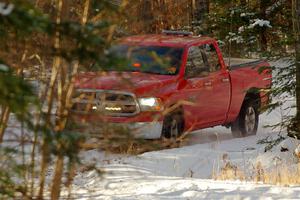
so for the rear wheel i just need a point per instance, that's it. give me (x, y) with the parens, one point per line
(173, 126)
(247, 121)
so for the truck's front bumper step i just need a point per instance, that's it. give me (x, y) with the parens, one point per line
(145, 130)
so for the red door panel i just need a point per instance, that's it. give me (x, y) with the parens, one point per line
(207, 96)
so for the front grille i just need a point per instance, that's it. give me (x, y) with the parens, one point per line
(113, 103)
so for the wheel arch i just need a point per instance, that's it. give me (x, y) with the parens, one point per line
(238, 127)
(176, 108)
(171, 111)
(253, 94)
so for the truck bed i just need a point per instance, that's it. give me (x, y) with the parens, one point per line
(235, 63)
(244, 74)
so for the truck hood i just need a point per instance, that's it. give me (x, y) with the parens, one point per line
(142, 84)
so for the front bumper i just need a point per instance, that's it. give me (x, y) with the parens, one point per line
(145, 130)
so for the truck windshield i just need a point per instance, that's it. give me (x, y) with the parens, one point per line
(147, 59)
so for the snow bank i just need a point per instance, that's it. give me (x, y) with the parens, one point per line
(184, 173)
(280, 155)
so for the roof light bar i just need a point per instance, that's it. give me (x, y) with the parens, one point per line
(183, 33)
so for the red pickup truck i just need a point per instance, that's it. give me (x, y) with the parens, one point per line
(173, 83)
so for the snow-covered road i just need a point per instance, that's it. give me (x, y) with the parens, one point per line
(157, 187)
(185, 173)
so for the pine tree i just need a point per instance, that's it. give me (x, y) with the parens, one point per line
(73, 42)
(294, 129)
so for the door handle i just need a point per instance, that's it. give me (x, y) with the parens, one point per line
(208, 83)
(225, 80)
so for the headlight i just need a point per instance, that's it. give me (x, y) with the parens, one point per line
(150, 104)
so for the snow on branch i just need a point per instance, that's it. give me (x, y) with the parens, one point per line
(3, 68)
(261, 23)
(273, 7)
(6, 9)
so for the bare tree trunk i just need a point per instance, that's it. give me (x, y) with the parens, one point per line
(3, 121)
(56, 182)
(243, 2)
(57, 67)
(297, 48)
(50, 96)
(66, 83)
(263, 32)
(65, 90)
(5, 111)
(201, 9)
(146, 15)
(70, 177)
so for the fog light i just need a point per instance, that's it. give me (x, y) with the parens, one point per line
(113, 108)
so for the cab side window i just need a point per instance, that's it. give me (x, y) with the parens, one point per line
(196, 65)
(212, 57)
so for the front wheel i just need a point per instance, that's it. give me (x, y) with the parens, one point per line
(247, 121)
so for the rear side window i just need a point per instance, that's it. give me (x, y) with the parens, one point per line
(196, 65)
(212, 57)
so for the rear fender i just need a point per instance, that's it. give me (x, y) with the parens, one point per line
(253, 94)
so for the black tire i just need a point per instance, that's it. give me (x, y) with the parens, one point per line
(173, 126)
(247, 121)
